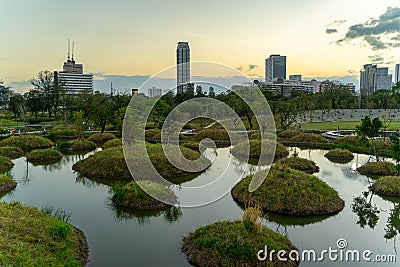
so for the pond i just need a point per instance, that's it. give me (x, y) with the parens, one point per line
(126, 238)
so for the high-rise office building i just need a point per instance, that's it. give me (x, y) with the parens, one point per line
(154, 92)
(275, 67)
(72, 78)
(373, 78)
(397, 73)
(295, 77)
(183, 66)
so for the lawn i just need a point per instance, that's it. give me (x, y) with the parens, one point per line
(343, 125)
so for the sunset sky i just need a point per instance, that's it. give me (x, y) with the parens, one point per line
(125, 41)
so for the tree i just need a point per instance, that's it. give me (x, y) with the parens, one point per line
(100, 110)
(34, 101)
(370, 129)
(4, 95)
(16, 104)
(44, 82)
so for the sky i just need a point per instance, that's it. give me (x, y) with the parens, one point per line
(126, 41)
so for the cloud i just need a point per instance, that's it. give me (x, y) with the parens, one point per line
(251, 67)
(330, 31)
(247, 69)
(379, 34)
(376, 59)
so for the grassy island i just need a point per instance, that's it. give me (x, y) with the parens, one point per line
(132, 196)
(339, 155)
(30, 237)
(27, 142)
(380, 168)
(291, 192)
(44, 155)
(5, 164)
(6, 184)
(255, 149)
(113, 143)
(387, 186)
(11, 152)
(101, 138)
(308, 138)
(300, 164)
(78, 145)
(235, 244)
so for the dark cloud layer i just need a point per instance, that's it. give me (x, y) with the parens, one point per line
(379, 33)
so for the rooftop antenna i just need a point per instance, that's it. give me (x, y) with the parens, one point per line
(68, 50)
(73, 45)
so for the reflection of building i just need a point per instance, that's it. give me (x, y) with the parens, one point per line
(183, 66)
(275, 67)
(154, 92)
(373, 78)
(397, 73)
(71, 78)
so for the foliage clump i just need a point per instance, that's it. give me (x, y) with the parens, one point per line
(44, 155)
(113, 143)
(387, 186)
(300, 164)
(380, 168)
(101, 138)
(11, 152)
(78, 145)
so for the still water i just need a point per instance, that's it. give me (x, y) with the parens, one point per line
(126, 238)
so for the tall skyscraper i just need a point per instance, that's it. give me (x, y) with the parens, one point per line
(275, 67)
(373, 78)
(71, 78)
(183, 66)
(397, 73)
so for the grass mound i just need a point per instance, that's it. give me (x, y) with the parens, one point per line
(78, 145)
(233, 244)
(30, 237)
(6, 184)
(44, 155)
(348, 140)
(62, 132)
(132, 196)
(300, 164)
(308, 138)
(257, 135)
(110, 163)
(113, 143)
(194, 146)
(216, 134)
(292, 192)
(380, 168)
(5, 164)
(288, 134)
(27, 142)
(11, 152)
(340, 155)
(387, 186)
(255, 149)
(101, 138)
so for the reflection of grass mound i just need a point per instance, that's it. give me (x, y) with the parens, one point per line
(133, 196)
(78, 145)
(291, 192)
(300, 164)
(340, 155)
(6, 184)
(255, 149)
(11, 152)
(101, 138)
(30, 237)
(113, 143)
(234, 244)
(289, 134)
(308, 138)
(5, 164)
(380, 168)
(44, 155)
(27, 142)
(110, 163)
(387, 186)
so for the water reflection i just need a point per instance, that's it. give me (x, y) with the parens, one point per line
(368, 213)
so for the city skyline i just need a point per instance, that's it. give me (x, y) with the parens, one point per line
(132, 40)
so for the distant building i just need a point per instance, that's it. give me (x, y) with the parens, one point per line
(397, 73)
(275, 67)
(373, 78)
(135, 91)
(72, 78)
(154, 92)
(296, 78)
(183, 66)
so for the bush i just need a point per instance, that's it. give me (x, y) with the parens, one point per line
(44, 155)
(27, 142)
(101, 138)
(387, 186)
(113, 143)
(300, 164)
(381, 168)
(289, 191)
(11, 152)
(5, 164)
(340, 155)
(308, 138)
(78, 145)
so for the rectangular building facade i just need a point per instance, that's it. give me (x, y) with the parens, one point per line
(183, 66)
(275, 67)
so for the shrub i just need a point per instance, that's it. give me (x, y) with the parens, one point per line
(11, 152)
(381, 168)
(387, 186)
(300, 164)
(308, 138)
(101, 138)
(252, 218)
(5, 164)
(44, 155)
(27, 142)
